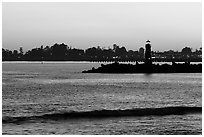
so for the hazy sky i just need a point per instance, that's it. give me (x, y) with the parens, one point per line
(83, 25)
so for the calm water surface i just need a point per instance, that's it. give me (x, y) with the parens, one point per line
(32, 90)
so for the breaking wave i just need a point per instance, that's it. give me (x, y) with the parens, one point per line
(137, 112)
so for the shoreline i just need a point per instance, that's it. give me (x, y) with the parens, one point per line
(131, 62)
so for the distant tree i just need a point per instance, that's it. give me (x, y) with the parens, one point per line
(59, 51)
(15, 52)
(7, 55)
(21, 50)
(115, 47)
(186, 50)
(91, 53)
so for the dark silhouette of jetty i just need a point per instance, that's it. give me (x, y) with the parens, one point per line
(147, 67)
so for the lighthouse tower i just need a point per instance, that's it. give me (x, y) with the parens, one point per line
(148, 58)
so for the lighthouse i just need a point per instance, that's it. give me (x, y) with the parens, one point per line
(148, 58)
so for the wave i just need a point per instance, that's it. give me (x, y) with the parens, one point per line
(138, 112)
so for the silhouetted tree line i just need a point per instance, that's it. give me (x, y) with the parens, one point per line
(62, 52)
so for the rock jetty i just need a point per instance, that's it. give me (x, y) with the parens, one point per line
(147, 68)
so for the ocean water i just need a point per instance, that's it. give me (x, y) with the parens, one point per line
(56, 98)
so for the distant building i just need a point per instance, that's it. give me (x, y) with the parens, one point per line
(148, 58)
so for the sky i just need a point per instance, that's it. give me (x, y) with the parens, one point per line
(169, 26)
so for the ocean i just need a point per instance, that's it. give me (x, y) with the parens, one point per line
(56, 98)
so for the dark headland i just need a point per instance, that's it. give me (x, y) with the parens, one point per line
(143, 68)
(147, 66)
